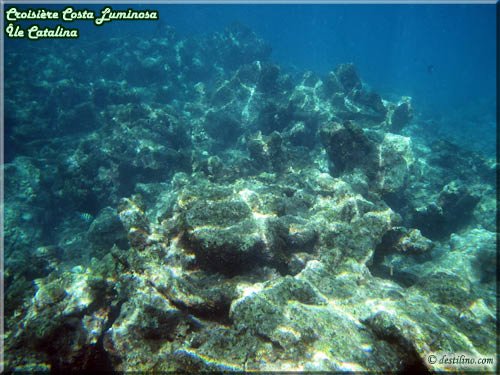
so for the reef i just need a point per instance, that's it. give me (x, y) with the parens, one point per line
(185, 204)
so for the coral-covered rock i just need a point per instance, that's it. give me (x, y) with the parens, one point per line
(332, 84)
(107, 230)
(401, 116)
(367, 105)
(239, 45)
(348, 147)
(387, 162)
(447, 288)
(135, 223)
(457, 202)
(146, 317)
(21, 217)
(222, 127)
(267, 152)
(395, 159)
(400, 249)
(67, 317)
(227, 235)
(275, 118)
(408, 241)
(452, 211)
(348, 77)
(84, 114)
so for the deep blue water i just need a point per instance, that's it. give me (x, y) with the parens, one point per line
(443, 56)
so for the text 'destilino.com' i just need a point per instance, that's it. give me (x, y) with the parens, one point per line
(449, 361)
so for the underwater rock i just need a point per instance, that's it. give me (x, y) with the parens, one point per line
(301, 235)
(106, 92)
(485, 210)
(400, 334)
(263, 225)
(430, 220)
(245, 102)
(257, 149)
(223, 127)
(462, 256)
(213, 167)
(365, 105)
(107, 230)
(270, 80)
(387, 162)
(290, 316)
(460, 164)
(203, 295)
(275, 118)
(276, 151)
(22, 218)
(392, 319)
(446, 162)
(226, 236)
(267, 152)
(395, 159)
(158, 198)
(447, 288)
(288, 235)
(222, 233)
(453, 211)
(348, 77)
(403, 240)
(196, 363)
(332, 85)
(390, 258)
(44, 260)
(348, 147)
(401, 116)
(479, 318)
(457, 202)
(71, 96)
(83, 114)
(238, 45)
(227, 250)
(29, 252)
(487, 263)
(250, 310)
(262, 76)
(297, 321)
(135, 223)
(146, 323)
(350, 226)
(307, 102)
(66, 318)
(471, 255)
(300, 134)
